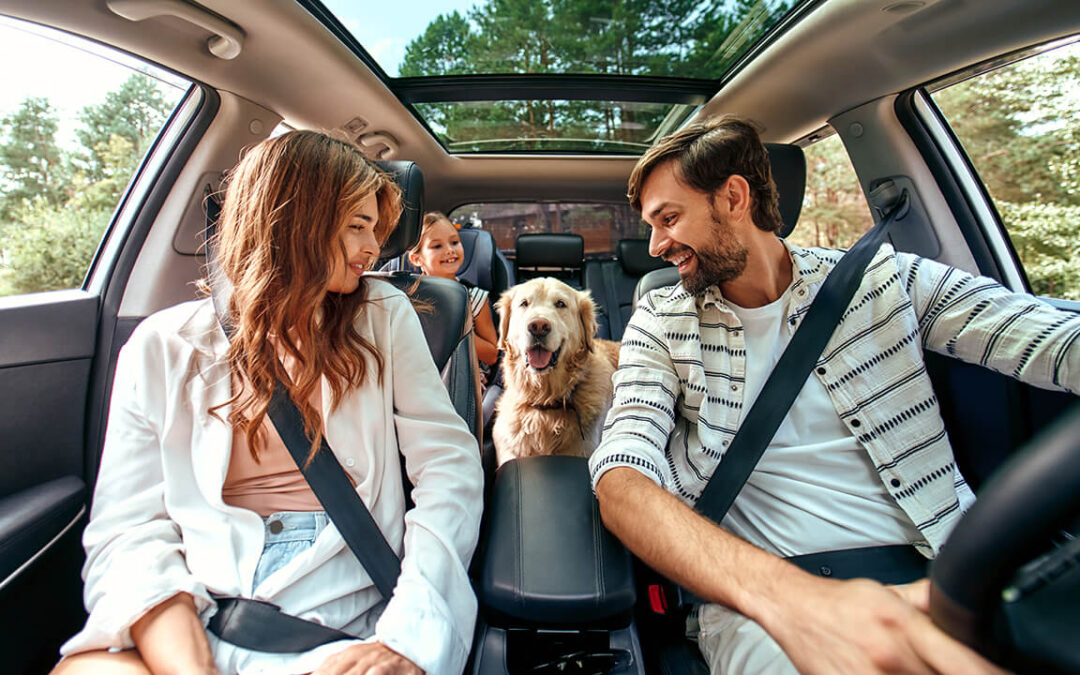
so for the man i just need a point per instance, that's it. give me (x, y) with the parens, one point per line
(861, 460)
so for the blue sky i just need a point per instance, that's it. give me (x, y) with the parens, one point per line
(385, 29)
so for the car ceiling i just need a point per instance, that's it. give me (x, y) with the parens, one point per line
(841, 54)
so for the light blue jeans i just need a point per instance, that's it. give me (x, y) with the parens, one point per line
(288, 534)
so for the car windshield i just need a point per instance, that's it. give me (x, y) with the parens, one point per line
(570, 76)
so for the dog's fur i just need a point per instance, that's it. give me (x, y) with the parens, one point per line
(558, 409)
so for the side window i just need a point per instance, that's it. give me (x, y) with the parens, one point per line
(1020, 127)
(75, 121)
(600, 225)
(834, 212)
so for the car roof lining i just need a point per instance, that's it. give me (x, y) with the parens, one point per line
(840, 55)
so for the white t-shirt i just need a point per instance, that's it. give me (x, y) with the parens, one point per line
(815, 488)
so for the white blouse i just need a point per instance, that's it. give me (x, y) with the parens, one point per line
(159, 525)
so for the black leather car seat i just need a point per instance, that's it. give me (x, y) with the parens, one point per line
(559, 255)
(612, 284)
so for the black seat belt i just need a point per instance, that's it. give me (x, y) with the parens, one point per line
(261, 626)
(790, 373)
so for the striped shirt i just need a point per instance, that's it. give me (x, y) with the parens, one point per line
(678, 391)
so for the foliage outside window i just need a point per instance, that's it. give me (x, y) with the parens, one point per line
(600, 225)
(64, 168)
(1020, 126)
(834, 213)
(657, 38)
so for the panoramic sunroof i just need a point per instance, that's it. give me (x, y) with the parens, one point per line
(461, 65)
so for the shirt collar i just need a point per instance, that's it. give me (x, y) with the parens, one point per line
(807, 268)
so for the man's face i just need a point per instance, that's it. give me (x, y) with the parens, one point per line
(688, 231)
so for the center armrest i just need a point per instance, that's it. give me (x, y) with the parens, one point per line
(549, 558)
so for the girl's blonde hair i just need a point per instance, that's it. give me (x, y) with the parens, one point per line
(286, 203)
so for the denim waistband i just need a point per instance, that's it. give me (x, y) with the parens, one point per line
(285, 526)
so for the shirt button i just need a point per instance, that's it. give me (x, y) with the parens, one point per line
(349, 461)
(895, 482)
(734, 387)
(825, 570)
(820, 371)
(275, 526)
(725, 443)
(856, 423)
(802, 292)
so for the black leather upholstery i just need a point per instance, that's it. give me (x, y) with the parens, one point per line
(444, 323)
(667, 276)
(560, 255)
(633, 255)
(612, 283)
(411, 181)
(549, 559)
(484, 265)
(788, 163)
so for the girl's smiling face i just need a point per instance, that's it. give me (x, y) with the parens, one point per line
(440, 253)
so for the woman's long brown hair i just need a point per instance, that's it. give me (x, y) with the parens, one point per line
(286, 203)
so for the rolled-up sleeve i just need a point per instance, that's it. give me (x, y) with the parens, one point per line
(641, 417)
(981, 322)
(431, 615)
(134, 553)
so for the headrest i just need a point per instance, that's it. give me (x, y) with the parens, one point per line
(550, 250)
(789, 173)
(411, 181)
(665, 276)
(635, 258)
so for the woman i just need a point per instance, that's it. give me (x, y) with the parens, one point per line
(198, 495)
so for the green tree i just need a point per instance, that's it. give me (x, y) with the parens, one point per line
(135, 112)
(834, 212)
(31, 164)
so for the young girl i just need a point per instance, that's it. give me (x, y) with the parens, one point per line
(439, 253)
(197, 494)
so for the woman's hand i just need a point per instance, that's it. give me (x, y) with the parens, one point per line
(373, 658)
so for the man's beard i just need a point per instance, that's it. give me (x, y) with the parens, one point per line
(722, 261)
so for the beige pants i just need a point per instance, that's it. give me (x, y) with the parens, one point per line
(734, 645)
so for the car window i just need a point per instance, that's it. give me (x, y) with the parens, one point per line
(75, 120)
(601, 225)
(834, 212)
(1020, 127)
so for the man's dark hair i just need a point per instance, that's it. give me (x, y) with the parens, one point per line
(708, 153)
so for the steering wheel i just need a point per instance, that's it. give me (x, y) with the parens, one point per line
(1029, 500)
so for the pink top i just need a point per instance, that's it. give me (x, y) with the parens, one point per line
(272, 484)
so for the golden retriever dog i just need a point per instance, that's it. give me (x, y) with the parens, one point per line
(557, 375)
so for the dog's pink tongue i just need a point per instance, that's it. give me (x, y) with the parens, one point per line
(539, 358)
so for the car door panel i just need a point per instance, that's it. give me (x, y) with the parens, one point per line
(47, 342)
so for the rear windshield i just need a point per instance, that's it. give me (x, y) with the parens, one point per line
(602, 225)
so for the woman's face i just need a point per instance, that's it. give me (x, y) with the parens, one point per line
(440, 251)
(361, 248)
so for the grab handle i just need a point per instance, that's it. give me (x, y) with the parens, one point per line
(227, 41)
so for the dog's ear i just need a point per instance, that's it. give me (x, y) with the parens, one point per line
(503, 308)
(587, 313)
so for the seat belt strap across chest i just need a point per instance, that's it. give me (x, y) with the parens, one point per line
(790, 373)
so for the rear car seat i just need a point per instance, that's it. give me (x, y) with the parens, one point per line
(560, 255)
(612, 284)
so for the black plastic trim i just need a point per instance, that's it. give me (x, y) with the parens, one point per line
(452, 88)
(31, 519)
(950, 187)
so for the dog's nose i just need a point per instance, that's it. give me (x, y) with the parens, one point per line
(539, 328)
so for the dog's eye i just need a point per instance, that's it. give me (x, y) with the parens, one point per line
(524, 303)
(560, 304)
